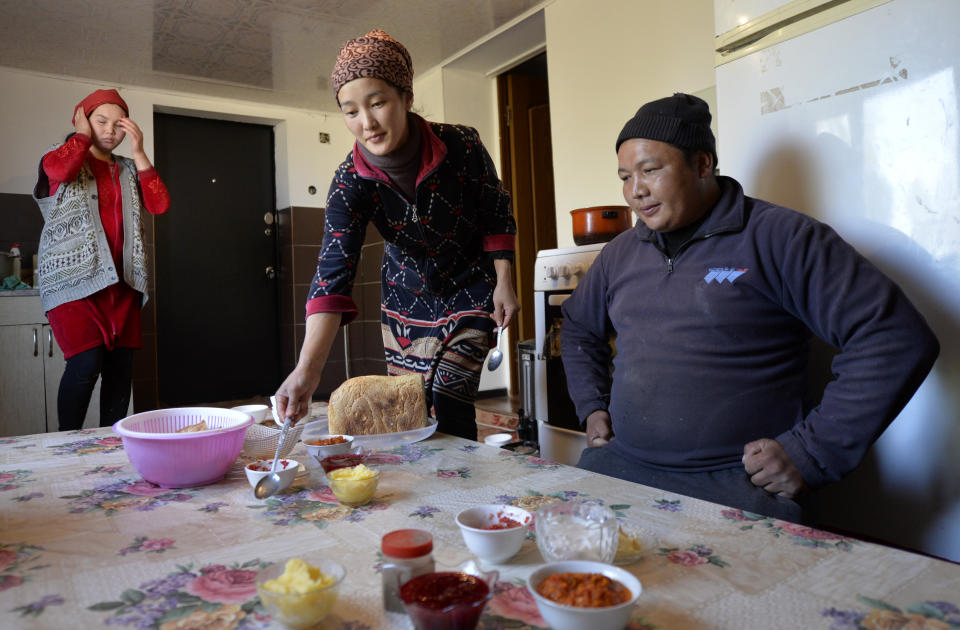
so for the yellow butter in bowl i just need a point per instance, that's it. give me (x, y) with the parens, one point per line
(360, 471)
(354, 485)
(627, 544)
(299, 577)
(302, 594)
(631, 545)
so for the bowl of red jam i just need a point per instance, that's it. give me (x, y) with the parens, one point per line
(342, 460)
(286, 468)
(494, 533)
(446, 600)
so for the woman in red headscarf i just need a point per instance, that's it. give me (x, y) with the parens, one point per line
(92, 271)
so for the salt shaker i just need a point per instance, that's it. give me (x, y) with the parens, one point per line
(407, 553)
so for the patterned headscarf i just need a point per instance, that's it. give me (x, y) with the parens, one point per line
(375, 55)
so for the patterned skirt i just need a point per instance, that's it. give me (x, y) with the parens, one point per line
(449, 352)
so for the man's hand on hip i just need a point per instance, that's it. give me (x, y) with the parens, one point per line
(770, 468)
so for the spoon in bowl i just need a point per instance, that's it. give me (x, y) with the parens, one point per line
(270, 485)
(497, 355)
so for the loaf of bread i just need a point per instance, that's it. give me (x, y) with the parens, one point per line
(192, 428)
(378, 404)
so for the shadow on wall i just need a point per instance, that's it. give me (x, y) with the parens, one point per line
(906, 492)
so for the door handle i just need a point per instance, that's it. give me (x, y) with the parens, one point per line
(49, 342)
(35, 347)
(270, 272)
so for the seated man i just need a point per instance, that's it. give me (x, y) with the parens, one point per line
(714, 297)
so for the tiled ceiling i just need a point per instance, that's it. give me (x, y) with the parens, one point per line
(272, 51)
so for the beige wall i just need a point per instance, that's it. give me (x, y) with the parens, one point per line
(462, 97)
(604, 59)
(428, 94)
(471, 98)
(35, 113)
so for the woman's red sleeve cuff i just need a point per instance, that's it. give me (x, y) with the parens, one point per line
(63, 164)
(156, 197)
(334, 304)
(499, 242)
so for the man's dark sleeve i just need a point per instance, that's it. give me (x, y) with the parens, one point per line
(886, 350)
(585, 343)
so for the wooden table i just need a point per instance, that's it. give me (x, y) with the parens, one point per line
(85, 542)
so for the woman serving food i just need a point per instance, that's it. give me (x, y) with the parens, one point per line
(433, 193)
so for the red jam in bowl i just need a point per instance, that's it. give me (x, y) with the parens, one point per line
(342, 460)
(281, 464)
(503, 522)
(447, 600)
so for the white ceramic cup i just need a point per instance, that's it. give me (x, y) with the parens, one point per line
(257, 412)
(498, 439)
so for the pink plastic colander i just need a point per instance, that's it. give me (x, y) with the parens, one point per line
(183, 460)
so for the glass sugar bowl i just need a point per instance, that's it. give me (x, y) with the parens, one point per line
(576, 530)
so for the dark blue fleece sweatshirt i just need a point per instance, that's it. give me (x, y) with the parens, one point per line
(712, 345)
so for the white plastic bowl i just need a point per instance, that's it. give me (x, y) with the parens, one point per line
(493, 545)
(286, 468)
(498, 439)
(561, 617)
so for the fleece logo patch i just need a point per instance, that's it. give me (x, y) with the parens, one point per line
(723, 274)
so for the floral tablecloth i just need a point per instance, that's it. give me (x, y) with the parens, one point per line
(85, 542)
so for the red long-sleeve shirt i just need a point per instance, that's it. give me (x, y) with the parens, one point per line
(111, 316)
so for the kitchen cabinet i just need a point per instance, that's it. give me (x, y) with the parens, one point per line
(30, 370)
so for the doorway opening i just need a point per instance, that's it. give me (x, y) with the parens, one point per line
(527, 172)
(216, 259)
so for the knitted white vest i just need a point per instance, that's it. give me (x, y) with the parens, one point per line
(74, 260)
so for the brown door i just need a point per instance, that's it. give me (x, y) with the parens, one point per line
(527, 171)
(216, 249)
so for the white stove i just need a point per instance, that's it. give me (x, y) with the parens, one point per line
(556, 274)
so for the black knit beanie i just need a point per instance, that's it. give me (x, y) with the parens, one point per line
(681, 120)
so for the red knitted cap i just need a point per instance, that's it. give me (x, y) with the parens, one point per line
(98, 98)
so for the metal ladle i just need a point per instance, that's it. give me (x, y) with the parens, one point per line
(497, 355)
(270, 485)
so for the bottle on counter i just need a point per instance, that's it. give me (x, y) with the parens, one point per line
(407, 553)
(15, 261)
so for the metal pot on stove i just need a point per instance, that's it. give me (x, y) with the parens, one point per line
(599, 224)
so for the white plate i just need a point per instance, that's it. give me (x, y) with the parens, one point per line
(376, 441)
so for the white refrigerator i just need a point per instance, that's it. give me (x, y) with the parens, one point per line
(849, 111)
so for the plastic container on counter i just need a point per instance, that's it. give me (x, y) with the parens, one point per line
(407, 553)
